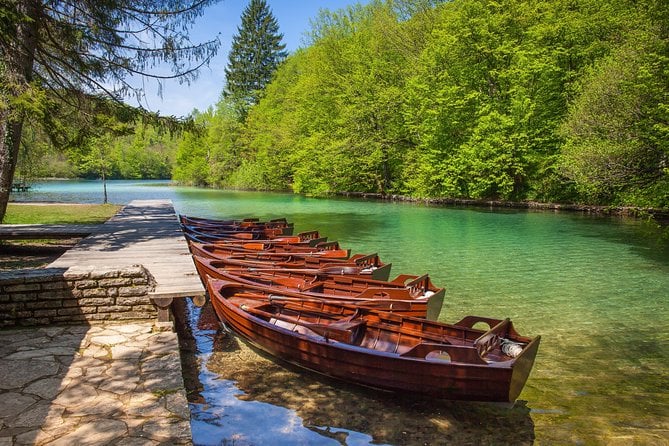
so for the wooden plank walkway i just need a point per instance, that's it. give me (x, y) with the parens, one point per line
(145, 232)
(31, 232)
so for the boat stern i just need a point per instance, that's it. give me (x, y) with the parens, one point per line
(522, 367)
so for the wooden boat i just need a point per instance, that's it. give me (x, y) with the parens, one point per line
(309, 238)
(243, 233)
(208, 222)
(371, 298)
(365, 265)
(330, 250)
(327, 283)
(211, 225)
(383, 350)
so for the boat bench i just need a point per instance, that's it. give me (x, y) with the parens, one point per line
(342, 331)
(457, 353)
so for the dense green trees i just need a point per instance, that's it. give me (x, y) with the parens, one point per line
(517, 100)
(563, 100)
(617, 131)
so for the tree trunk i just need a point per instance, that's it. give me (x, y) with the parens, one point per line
(16, 77)
(104, 187)
(9, 151)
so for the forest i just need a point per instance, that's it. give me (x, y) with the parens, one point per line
(553, 101)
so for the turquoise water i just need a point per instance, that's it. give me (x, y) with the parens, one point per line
(595, 289)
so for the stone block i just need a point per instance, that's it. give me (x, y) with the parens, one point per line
(86, 284)
(88, 310)
(96, 301)
(42, 304)
(45, 313)
(68, 311)
(140, 281)
(24, 297)
(5, 298)
(11, 307)
(67, 303)
(116, 282)
(132, 300)
(144, 308)
(133, 271)
(114, 309)
(11, 278)
(74, 274)
(112, 292)
(55, 285)
(95, 292)
(22, 287)
(23, 314)
(56, 294)
(135, 315)
(104, 274)
(41, 276)
(133, 291)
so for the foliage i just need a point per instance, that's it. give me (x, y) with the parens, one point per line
(617, 148)
(517, 100)
(62, 54)
(256, 53)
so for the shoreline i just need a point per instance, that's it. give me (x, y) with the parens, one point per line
(659, 215)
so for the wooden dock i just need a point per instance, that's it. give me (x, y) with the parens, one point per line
(145, 232)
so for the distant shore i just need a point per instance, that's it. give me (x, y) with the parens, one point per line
(659, 215)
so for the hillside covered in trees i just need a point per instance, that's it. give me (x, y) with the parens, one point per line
(556, 101)
(564, 100)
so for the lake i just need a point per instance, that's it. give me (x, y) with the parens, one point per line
(595, 289)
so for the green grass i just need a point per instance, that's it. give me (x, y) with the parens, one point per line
(59, 213)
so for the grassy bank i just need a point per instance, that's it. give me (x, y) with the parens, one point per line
(19, 254)
(34, 213)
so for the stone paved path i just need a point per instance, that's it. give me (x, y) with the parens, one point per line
(101, 385)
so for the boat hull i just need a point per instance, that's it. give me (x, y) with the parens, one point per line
(377, 369)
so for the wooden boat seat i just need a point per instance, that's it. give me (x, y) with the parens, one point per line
(492, 338)
(457, 353)
(346, 331)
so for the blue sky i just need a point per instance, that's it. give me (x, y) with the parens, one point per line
(294, 20)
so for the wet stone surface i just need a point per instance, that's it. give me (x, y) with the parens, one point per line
(100, 385)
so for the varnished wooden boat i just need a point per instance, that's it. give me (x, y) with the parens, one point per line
(381, 349)
(200, 221)
(197, 235)
(251, 224)
(309, 238)
(365, 265)
(368, 299)
(330, 250)
(329, 283)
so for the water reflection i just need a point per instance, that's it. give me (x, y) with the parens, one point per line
(241, 397)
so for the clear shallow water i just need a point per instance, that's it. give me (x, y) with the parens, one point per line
(596, 289)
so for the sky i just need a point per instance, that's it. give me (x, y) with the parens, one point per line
(223, 19)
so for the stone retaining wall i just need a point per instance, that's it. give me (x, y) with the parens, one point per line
(76, 295)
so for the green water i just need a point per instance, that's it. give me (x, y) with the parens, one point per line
(595, 289)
